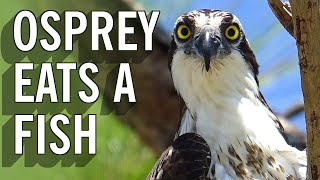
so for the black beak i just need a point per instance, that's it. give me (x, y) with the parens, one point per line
(207, 44)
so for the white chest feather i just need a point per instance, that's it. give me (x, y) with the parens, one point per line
(225, 109)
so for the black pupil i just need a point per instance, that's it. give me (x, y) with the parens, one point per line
(184, 31)
(231, 32)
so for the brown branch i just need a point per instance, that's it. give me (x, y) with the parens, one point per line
(295, 137)
(283, 13)
(294, 110)
(307, 29)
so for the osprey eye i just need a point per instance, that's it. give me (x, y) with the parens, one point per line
(232, 32)
(183, 32)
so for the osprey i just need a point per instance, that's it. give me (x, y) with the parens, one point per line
(226, 118)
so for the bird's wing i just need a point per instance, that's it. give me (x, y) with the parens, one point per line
(189, 157)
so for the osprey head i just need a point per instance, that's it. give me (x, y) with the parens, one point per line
(210, 35)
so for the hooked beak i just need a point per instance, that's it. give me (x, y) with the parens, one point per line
(207, 45)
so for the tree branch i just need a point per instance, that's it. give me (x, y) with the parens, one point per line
(293, 110)
(283, 13)
(306, 21)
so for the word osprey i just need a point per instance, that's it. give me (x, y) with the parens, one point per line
(70, 31)
(227, 130)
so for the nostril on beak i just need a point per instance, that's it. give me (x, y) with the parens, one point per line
(216, 42)
(217, 37)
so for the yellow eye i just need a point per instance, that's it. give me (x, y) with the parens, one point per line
(232, 32)
(183, 32)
